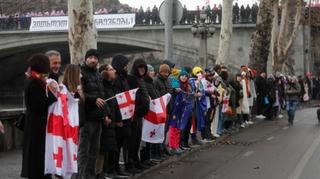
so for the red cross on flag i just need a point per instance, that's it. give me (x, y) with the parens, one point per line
(62, 135)
(154, 121)
(126, 102)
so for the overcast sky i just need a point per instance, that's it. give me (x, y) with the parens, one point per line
(191, 4)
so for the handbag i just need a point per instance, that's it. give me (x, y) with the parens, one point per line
(19, 123)
(306, 97)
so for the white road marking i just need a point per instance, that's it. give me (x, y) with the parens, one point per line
(248, 153)
(270, 138)
(304, 160)
(285, 128)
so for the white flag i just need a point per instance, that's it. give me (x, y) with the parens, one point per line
(126, 103)
(154, 121)
(62, 135)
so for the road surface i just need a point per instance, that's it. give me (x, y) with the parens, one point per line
(269, 150)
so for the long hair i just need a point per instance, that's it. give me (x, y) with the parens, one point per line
(71, 77)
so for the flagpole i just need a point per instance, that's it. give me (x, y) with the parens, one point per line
(110, 98)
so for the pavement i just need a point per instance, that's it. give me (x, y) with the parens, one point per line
(266, 150)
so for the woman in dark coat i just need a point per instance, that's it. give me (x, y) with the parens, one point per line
(37, 103)
(108, 142)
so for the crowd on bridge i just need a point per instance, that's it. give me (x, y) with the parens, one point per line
(203, 104)
(149, 16)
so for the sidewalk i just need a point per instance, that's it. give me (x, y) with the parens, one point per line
(10, 163)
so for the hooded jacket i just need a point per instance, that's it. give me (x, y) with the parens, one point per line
(120, 85)
(137, 81)
(153, 92)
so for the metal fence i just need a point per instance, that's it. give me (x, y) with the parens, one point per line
(189, 18)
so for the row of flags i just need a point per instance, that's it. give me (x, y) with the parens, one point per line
(63, 127)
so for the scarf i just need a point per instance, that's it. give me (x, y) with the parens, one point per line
(37, 76)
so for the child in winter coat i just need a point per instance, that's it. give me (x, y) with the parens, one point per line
(177, 123)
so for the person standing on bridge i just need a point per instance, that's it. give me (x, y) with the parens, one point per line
(55, 64)
(38, 99)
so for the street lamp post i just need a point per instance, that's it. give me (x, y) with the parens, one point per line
(203, 32)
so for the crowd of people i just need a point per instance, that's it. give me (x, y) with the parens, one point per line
(149, 16)
(205, 104)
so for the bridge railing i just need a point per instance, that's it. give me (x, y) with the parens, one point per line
(189, 18)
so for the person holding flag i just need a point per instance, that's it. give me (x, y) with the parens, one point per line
(149, 150)
(63, 126)
(181, 117)
(136, 80)
(38, 98)
(123, 127)
(108, 143)
(200, 104)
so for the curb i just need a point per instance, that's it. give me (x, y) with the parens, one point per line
(174, 159)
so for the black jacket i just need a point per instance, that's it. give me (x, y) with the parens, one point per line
(37, 104)
(162, 85)
(236, 85)
(153, 92)
(142, 96)
(261, 85)
(108, 136)
(121, 85)
(93, 88)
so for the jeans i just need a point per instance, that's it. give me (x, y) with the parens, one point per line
(89, 143)
(291, 109)
(220, 121)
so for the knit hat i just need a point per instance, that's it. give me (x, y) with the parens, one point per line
(196, 70)
(183, 72)
(164, 68)
(209, 70)
(170, 64)
(150, 68)
(119, 62)
(92, 52)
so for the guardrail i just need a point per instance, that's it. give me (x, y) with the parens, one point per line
(189, 18)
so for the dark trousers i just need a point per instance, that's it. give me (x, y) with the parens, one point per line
(206, 133)
(185, 133)
(109, 164)
(89, 144)
(122, 142)
(145, 153)
(260, 105)
(135, 141)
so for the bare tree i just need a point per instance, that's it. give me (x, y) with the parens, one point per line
(262, 36)
(82, 31)
(283, 40)
(226, 33)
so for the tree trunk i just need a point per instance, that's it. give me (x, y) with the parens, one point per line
(291, 10)
(275, 31)
(82, 31)
(225, 34)
(260, 44)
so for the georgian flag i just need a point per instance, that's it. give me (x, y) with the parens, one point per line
(126, 103)
(154, 121)
(62, 135)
